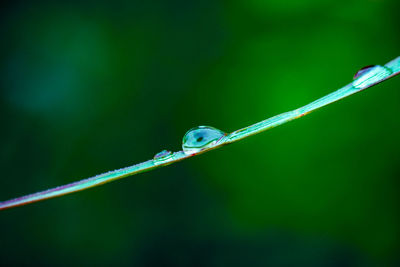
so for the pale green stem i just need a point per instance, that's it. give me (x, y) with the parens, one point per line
(373, 76)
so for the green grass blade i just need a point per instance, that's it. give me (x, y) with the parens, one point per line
(373, 76)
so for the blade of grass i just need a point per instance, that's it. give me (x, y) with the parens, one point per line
(369, 78)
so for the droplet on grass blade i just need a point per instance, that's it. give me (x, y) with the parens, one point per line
(200, 138)
(162, 156)
(362, 71)
(370, 75)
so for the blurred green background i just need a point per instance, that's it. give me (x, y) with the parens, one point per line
(91, 86)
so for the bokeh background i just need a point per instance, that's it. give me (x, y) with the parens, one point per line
(91, 86)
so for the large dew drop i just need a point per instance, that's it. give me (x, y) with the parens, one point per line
(200, 138)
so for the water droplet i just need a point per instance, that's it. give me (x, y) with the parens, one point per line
(362, 71)
(370, 75)
(163, 156)
(200, 138)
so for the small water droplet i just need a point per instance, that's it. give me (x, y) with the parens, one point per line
(370, 75)
(200, 138)
(163, 156)
(362, 71)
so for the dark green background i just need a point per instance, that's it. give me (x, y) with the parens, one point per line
(91, 86)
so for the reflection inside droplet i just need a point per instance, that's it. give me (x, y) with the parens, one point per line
(200, 138)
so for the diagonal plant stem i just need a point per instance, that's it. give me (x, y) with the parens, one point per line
(369, 77)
